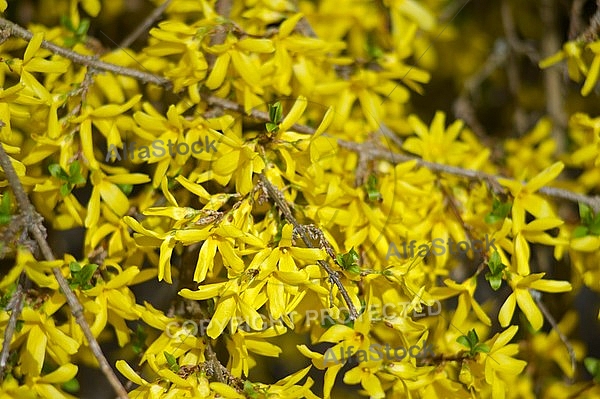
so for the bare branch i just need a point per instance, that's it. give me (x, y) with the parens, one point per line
(279, 199)
(146, 77)
(145, 25)
(15, 306)
(38, 231)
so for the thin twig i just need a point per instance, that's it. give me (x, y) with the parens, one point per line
(16, 306)
(551, 43)
(537, 298)
(145, 25)
(591, 33)
(376, 153)
(279, 200)
(39, 232)
(146, 77)
(16, 30)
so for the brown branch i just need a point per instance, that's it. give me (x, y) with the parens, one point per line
(16, 30)
(394, 157)
(39, 232)
(537, 298)
(551, 44)
(145, 25)
(279, 199)
(16, 306)
(146, 77)
(591, 33)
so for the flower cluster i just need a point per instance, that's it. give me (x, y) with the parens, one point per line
(292, 216)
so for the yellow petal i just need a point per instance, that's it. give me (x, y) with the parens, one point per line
(507, 310)
(592, 77)
(295, 113)
(545, 176)
(33, 46)
(32, 358)
(528, 306)
(551, 286)
(129, 373)
(225, 311)
(62, 374)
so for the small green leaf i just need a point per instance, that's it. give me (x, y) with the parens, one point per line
(65, 189)
(139, 339)
(58, 172)
(74, 267)
(126, 188)
(499, 211)
(585, 213)
(71, 386)
(463, 341)
(482, 348)
(171, 361)
(495, 280)
(249, 390)
(275, 112)
(473, 338)
(272, 127)
(86, 273)
(372, 191)
(580, 231)
(592, 365)
(66, 22)
(595, 227)
(83, 27)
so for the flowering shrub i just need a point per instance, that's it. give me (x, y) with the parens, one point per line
(259, 164)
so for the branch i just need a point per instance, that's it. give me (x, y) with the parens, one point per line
(145, 25)
(394, 157)
(146, 77)
(279, 200)
(16, 306)
(37, 229)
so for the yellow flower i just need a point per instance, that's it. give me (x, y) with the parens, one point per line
(526, 199)
(521, 296)
(466, 300)
(499, 362)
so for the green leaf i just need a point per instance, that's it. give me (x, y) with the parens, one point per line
(74, 267)
(172, 362)
(86, 273)
(463, 340)
(585, 213)
(495, 263)
(83, 27)
(126, 188)
(481, 348)
(592, 365)
(595, 227)
(66, 22)
(580, 231)
(65, 189)
(349, 261)
(58, 172)
(275, 113)
(473, 338)
(71, 386)
(372, 191)
(495, 280)
(139, 339)
(499, 211)
(272, 127)
(5, 215)
(249, 390)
